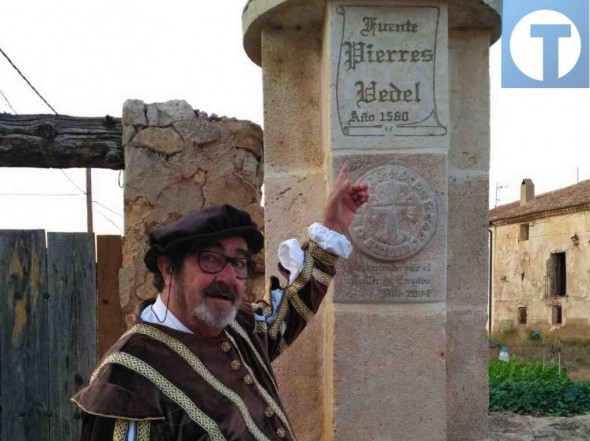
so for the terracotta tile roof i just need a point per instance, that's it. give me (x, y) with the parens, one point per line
(561, 201)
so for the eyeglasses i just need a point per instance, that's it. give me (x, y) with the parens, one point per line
(212, 262)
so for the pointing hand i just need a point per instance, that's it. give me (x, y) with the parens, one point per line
(343, 202)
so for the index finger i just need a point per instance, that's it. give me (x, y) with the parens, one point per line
(342, 176)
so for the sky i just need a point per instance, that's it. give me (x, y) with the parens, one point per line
(87, 57)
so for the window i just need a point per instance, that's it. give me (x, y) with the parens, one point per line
(522, 316)
(556, 316)
(556, 275)
(524, 232)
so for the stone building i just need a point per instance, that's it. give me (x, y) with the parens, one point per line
(540, 270)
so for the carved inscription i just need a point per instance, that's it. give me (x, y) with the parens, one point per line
(400, 217)
(397, 282)
(386, 71)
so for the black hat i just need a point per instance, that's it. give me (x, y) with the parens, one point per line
(202, 226)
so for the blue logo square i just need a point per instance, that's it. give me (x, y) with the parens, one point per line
(545, 44)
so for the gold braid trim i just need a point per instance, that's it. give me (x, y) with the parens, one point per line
(283, 346)
(260, 327)
(301, 280)
(301, 308)
(269, 400)
(90, 412)
(322, 255)
(168, 389)
(322, 277)
(103, 362)
(202, 370)
(256, 308)
(120, 431)
(267, 297)
(242, 333)
(143, 431)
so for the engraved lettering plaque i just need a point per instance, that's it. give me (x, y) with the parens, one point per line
(389, 67)
(399, 236)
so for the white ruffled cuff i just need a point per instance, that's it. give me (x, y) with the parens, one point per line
(329, 240)
(291, 255)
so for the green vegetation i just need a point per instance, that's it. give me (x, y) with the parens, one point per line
(534, 388)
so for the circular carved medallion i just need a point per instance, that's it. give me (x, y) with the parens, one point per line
(400, 217)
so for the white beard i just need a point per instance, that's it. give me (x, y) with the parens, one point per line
(204, 314)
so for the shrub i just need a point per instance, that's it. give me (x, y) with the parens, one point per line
(532, 388)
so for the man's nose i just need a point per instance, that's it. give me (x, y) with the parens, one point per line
(228, 275)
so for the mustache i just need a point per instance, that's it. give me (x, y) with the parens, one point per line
(220, 289)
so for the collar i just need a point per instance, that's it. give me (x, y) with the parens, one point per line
(157, 311)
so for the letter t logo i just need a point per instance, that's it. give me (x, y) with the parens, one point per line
(550, 33)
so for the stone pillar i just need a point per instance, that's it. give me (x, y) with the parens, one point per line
(400, 94)
(178, 160)
(295, 182)
(468, 254)
(389, 122)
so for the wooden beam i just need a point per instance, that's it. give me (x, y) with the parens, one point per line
(60, 141)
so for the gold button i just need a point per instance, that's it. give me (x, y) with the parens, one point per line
(269, 412)
(248, 379)
(225, 346)
(281, 432)
(235, 365)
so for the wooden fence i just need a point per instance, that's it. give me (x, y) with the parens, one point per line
(59, 312)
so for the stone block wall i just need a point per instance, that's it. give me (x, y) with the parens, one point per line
(177, 160)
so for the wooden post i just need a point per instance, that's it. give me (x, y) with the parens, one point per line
(72, 326)
(24, 352)
(109, 315)
(89, 219)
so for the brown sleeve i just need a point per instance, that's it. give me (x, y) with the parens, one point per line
(300, 300)
(95, 428)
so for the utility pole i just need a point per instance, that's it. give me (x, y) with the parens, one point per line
(89, 200)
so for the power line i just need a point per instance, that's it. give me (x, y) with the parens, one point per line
(28, 82)
(39, 194)
(84, 193)
(8, 102)
(73, 183)
(107, 208)
(108, 219)
(70, 194)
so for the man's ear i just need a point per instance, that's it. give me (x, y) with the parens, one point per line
(165, 267)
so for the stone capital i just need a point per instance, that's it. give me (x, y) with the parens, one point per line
(293, 14)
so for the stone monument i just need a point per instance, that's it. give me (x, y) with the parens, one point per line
(399, 92)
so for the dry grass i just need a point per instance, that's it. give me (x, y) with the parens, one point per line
(575, 354)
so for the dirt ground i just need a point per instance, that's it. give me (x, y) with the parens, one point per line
(510, 427)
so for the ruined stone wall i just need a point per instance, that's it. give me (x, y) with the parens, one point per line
(177, 160)
(520, 270)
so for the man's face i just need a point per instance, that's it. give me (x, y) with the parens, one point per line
(211, 300)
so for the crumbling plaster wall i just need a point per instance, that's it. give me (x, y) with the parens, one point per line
(177, 160)
(519, 274)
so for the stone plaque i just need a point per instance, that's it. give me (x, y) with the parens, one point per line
(399, 236)
(400, 218)
(388, 63)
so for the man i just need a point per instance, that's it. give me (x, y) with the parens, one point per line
(197, 364)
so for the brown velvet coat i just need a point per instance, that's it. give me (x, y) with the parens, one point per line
(180, 387)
